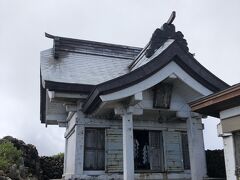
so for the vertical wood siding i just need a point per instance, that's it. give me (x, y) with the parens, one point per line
(114, 150)
(173, 151)
(156, 153)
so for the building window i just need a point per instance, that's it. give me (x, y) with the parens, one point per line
(148, 150)
(162, 95)
(159, 151)
(94, 151)
(185, 151)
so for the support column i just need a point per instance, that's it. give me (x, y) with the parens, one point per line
(196, 147)
(229, 156)
(74, 151)
(128, 156)
(65, 157)
(70, 150)
(79, 154)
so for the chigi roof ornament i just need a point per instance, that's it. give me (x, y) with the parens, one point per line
(161, 35)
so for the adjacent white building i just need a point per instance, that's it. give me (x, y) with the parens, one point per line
(226, 106)
(125, 109)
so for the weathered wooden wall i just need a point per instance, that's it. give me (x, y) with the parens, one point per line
(114, 150)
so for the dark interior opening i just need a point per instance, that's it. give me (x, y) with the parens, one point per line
(141, 150)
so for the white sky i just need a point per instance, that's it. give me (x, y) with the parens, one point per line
(210, 27)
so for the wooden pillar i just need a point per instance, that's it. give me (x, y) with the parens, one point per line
(229, 156)
(196, 147)
(65, 157)
(127, 127)
(128, 156)
(79, 149)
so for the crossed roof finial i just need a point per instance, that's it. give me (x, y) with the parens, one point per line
(171, 18)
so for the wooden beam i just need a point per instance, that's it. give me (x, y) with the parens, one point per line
(131, 109)
(136, 98)
(70, 95)
(71, 107)
(51, 122)
(56, 117)
(62, 124)
(54, 94)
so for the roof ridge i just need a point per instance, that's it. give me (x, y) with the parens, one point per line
(89, 41)
(85, 46)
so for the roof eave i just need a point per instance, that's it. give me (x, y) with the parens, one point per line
(68, 87)
(213, 104)
(59, 87)
(147, 70)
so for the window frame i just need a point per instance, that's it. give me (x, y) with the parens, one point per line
(162, 94)
(95, 149)
(162, 168)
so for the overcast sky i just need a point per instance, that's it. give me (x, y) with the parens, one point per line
(210, 27)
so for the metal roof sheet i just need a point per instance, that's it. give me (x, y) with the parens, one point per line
(81, 68)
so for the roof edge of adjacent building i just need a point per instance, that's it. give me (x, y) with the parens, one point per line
(214, 103)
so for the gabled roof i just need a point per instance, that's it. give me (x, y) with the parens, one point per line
(166, 45)
(85, 62)
(99, 68)
(173, 53)
(74, 65)
(215, 103)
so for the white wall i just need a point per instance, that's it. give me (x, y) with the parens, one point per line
(228, 140)
(229, 157)
(70, 136)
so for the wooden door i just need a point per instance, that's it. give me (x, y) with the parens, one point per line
(94, 155)
(173, 151)
(156, 151)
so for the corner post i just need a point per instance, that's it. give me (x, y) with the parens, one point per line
(229, 156)
(229, 152)
(65, 158)
(79, 153)
(128, 157)
(196, 146)
(128, 149)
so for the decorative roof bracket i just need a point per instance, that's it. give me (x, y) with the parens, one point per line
(161, 35)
